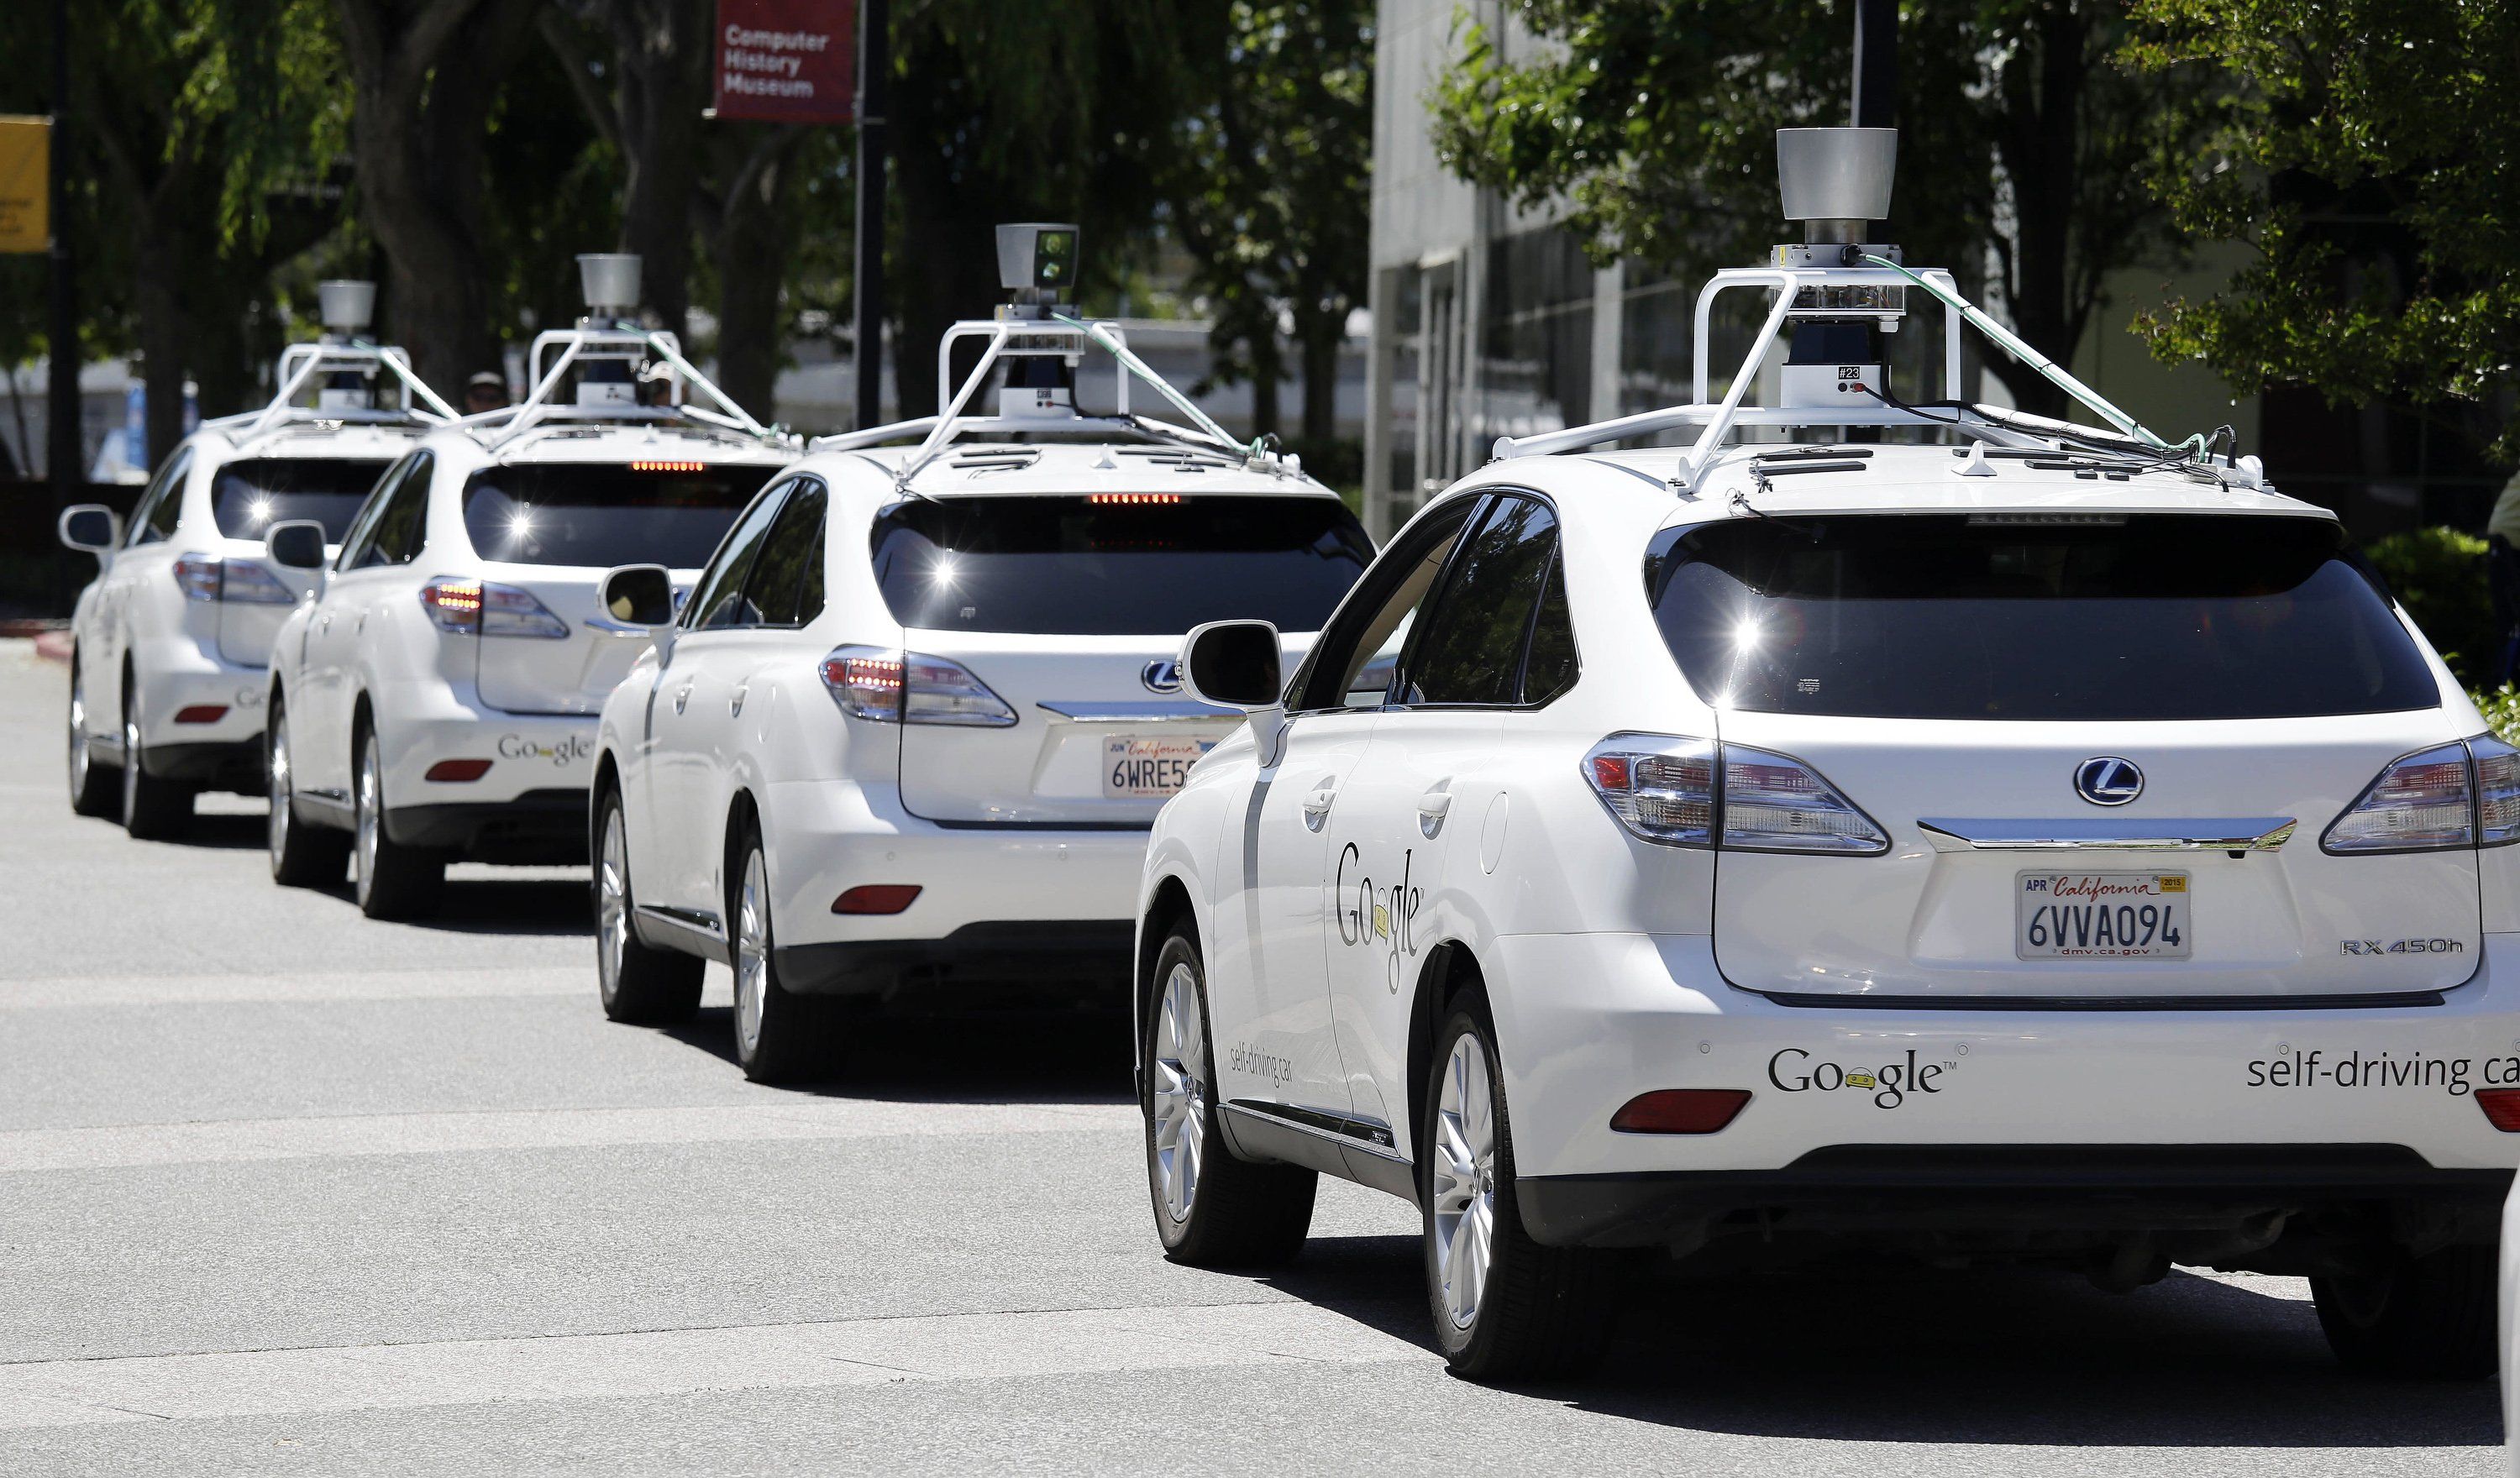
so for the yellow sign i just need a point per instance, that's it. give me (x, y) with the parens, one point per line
(25, 148)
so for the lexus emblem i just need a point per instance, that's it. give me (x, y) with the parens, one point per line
(2108, 780)
(1162, 675)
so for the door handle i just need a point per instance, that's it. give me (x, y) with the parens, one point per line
(734, 705)
(682, 696)
(1432, 808)
(1317, 807)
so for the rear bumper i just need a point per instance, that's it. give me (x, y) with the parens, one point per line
(180, 673)
(1060, 961)
(218, 765)
(539, 827)
(423, 722)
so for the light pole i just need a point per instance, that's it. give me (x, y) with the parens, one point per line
(63, 451)
(875, 71)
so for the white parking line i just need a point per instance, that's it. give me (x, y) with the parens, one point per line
(668, 1362)
(128, 1146)
(43, 993)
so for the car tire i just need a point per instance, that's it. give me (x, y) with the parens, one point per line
(1506, 1307)
(638, 982)
(1212, 1210)
(2428, 1318)
(779, 1035)
(301, 855)
(395, 881)
(93, 791)
(154, 808)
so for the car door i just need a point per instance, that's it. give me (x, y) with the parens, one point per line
(690, 722)
(1410, 826)
(384, 539)
(140, 590)
(1272, 948)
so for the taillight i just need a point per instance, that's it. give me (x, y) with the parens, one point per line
(1680, 1110)
(2498, 791)
(473, 607)
(876, 897)
(244, 582)
(2501, 1108)
(893, 687)
(2423, 802)
(1691, 792)
(199, 575)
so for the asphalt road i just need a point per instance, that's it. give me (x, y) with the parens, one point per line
(285, 1192)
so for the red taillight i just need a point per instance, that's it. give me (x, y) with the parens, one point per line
(876, 897)
(199, 575)
(457, 770)
(1680, 1110)
(201, 713)
(2501, 1108)
(867, 682)
(455, 605)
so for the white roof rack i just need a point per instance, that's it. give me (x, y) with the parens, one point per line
(1070, 338)
(538, 409)
(302, 362)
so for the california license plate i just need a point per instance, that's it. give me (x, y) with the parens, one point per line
(1140, 767)
(2100, 915)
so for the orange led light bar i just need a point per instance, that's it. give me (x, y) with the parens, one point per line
(669, 467)
(1133, 497)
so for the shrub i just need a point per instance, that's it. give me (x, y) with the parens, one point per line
(2502, 710)
(2439, 575)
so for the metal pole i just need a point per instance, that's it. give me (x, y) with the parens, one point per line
(62, 457)
(874, 70)
(1875, 102)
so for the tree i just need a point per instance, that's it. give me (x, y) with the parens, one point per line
(2021, 137)
(2367, 166)
(1265, 189)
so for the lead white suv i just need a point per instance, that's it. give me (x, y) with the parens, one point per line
(171, 642)
(905, 742)
(2053, 850)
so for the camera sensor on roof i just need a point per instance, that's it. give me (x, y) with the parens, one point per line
(1038, 257)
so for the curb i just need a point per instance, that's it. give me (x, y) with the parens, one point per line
(54, 647)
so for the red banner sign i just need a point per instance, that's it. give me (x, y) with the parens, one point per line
(788, 60)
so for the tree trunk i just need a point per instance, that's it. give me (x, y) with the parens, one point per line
(1322, 337)
(751, 246)
(944, 268)
(662, 46)
(2038, 152)
(161, 255)
(1268, 367)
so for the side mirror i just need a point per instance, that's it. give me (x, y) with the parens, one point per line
(295, 543)
(1234, 665)
(640, 595)
(91, 528)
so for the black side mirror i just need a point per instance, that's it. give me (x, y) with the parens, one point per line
(91, 528)
(295, 543)
(1234, 665)
(640, 595)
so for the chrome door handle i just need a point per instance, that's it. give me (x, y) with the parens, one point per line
(682, 696)
(1432, 808)
(1317, 807)
(734, 705)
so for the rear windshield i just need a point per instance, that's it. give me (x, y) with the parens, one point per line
(1079, 567)
(606, 514)
(2032, 617)
(248, 498)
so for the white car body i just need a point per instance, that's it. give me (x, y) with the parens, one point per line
(1910, 1077)
(512, 717)
(1024, 864)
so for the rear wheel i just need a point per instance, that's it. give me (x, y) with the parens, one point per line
(778, 1034)
(92, 792)
(2429, 1317)
(395, 882)
(1211, 1209)
(154, 808)
(1506, 1307)
(639, 983)
(301, 855)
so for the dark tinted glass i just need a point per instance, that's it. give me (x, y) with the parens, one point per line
(161, 503)
(248, 498)
(600, 515)
(1073, 566)
(794, 545)
(1550, 669)
(2149, 616)
(401, 524)
(720, 600)
(1472, 649)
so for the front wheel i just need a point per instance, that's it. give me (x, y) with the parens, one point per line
(639, 983)
(90, 795)
(154, 808)
(395, 882)
(778, 1033)
(301, 855)
(1212, 1210)
(1506, 1307)
(2429, 1317)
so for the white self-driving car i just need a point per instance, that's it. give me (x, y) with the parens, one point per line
(906, 739)
(437, 701)
(173, 640)
(2053, 848)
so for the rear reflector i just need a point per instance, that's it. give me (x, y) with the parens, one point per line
(201, 713)
(457, 770)
(876, 897)
(2501, 1108)
(1680, 1110)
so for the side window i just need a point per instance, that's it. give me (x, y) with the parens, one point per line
(793, 551)
(394, 535)
(1352, 664)
(1550, 668)
(719, 602)
(162, 504)
(1470, 648)
(362, 534)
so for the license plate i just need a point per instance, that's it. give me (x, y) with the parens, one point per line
(1137, 767)
(2102, 915)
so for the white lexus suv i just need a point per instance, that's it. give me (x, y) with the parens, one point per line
(437, 701)
(171, 642)
(905, 742)
(2050, 849)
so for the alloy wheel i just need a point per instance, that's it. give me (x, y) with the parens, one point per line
(1464, 1175)
(276, 833)
(751, 953)
(130, 763)
(1180, 1093)
(612, 905)
(79, 757)
(370, 790)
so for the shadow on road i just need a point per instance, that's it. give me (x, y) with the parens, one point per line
(1033, 1057)
(224, 831)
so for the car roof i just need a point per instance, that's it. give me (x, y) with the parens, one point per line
(578, 441)
(379, 440)
(1049, 469)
